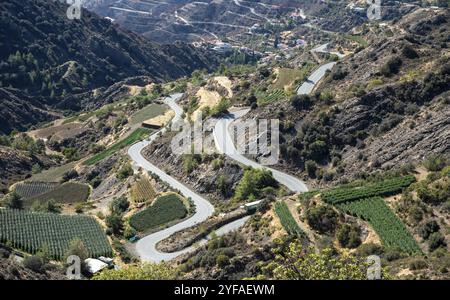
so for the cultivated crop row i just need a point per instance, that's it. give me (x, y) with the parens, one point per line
(32, 189)
(382, 188)
(387, 225)
(69, 192)
(287, 220)
(33, 232)
(143, 191)
(164, 210)
(274, 96)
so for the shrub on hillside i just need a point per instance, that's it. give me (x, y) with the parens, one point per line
(300, 102)
(311, 168)
(435, 163)
(114, 223)
(253, 182)
(349, 236)
(322, 218)
(34, 263)
(435, 241)
(119, 205)
(391, 67)
(339, 73)
(125, 172)
(428, 228)
(13, 201)
(409, 52)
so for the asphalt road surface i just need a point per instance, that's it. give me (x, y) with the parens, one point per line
(308, 86)
(146, 247)
(225, 145)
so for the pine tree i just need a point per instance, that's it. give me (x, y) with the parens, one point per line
(13, 201)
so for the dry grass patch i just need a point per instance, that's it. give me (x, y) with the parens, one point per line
(226, 83)
(59, 132)
(207, 99)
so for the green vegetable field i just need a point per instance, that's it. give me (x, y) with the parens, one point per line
(164, 210)
(32, 232)
(387, 225)
(382, 188)
(276, 95)
(286, 219)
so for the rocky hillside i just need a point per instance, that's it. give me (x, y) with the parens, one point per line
(49, 58)
(11, 270)
(187, 20)
(19, 110)
(383, 106)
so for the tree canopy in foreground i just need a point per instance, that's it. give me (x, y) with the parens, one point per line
(292, 262)
(146, 271)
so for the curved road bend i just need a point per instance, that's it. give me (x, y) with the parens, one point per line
(146, 247)
(225, 145)
(308, 86)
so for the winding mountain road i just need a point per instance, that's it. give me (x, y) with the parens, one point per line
(225, 145)
(146, 247)
(251, 9)
(308, 86)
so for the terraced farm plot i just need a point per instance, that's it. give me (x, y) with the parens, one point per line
(135, 136)
(32, 189)
(60, 132)
(52, 175)
(287, 220)
(69, 192)
(142, 191)
(164, 210)
(391, 230)
(32, 232)
(286, 77)
(382, 188)
(148, 112)
(358, 39)
(274, 96)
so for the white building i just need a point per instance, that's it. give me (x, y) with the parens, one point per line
(251, 205)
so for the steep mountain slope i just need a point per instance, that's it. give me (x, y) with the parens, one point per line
(19, 111)
(188, 20)
(382, 107)
(11, 270)
(49, 57)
